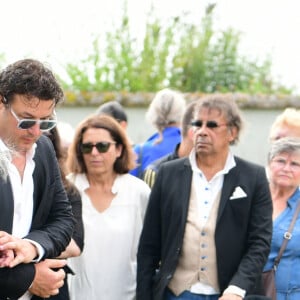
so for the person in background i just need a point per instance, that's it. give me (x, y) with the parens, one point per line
(182, 149)
(284, 178)
(114, 204)
(164, 113)
(66, 134)
(76, 245)
(36, 219)
(115, 110)
(208, 224)
(286, 124)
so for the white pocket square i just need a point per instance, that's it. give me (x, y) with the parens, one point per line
(238, 193)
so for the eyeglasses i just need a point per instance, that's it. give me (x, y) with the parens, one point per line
(101, 147)
(45, 125)
(208, 124)
(281, 163)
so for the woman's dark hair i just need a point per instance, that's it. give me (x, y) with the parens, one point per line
(61, 155)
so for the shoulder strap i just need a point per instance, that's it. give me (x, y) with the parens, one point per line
(287, 236)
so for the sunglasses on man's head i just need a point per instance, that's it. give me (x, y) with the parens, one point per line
(101, 147)
(208, 124)
(45, 125)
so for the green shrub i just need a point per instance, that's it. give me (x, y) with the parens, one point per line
(182, 55)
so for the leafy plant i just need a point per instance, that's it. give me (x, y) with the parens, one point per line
(186, 56)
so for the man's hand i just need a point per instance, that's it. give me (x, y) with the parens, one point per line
(23, 250)
(47, 282)
(6, 255)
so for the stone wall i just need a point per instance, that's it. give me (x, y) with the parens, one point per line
(142, 99)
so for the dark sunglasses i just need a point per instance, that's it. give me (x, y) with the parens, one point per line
(101, 147)
(45, 125)
(208, 124)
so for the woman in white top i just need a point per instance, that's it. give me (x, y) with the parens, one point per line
(113, 208)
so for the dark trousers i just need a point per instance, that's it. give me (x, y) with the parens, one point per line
(186, 295)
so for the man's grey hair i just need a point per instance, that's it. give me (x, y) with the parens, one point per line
(289, 145)
(166, 108)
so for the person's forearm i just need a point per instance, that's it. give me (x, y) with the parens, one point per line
(72, 250)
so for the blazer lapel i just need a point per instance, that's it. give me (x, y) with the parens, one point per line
(39, 191)
(230, 182)
(186, 185)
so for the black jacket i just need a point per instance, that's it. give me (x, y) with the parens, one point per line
(242, 236)
(52, 222)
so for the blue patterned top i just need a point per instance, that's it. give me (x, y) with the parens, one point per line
(288, 272)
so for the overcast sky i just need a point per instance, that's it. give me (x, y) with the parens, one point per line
(57, 31)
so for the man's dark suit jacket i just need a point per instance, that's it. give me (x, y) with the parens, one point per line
(52, 223)
(242, 236)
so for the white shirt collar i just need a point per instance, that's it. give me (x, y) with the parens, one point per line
(4, 149)
(230, 163)
(82, 182)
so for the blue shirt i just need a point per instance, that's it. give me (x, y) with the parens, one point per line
(151, 151)
(288, 271)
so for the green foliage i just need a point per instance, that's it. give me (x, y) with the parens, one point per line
(191, 61)
(120, 56)
(186, 56)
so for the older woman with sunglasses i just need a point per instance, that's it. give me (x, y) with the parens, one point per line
(284, 176)
(113, 207)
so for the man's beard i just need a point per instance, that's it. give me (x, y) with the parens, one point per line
(6, 157)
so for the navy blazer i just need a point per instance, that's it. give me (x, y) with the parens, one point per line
(242, 236)
(52, 222)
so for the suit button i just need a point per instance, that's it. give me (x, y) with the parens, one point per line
(169, 276)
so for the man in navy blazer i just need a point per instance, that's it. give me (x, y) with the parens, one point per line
(232, 247)
(36, 220)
